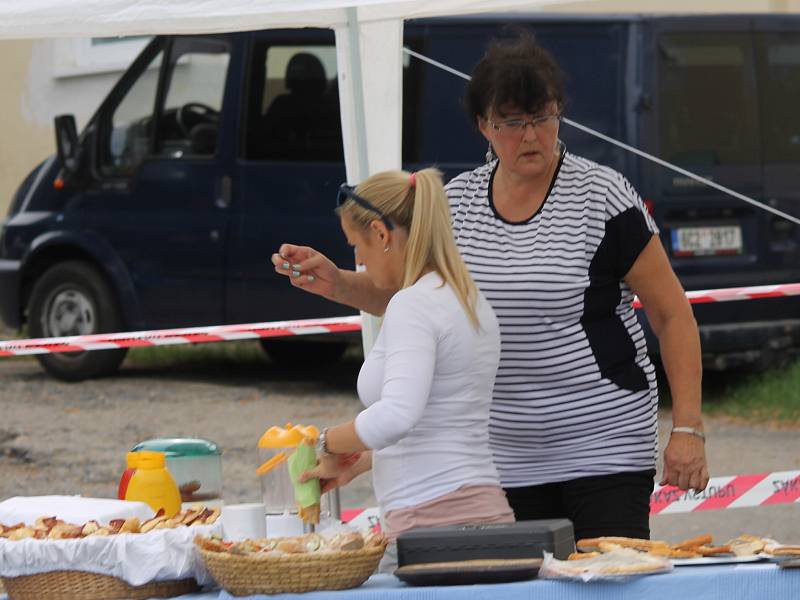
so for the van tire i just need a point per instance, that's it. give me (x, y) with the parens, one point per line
(80, 293)
(299, 354)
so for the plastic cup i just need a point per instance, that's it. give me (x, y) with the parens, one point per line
(243, 522)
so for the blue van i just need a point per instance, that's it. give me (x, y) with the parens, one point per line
(213, 149)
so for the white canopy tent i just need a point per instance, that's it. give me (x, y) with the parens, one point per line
(368, 39)
(369, 35)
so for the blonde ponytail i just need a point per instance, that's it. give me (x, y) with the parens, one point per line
(419, 204)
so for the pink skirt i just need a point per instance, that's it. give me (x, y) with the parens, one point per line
(468, 504)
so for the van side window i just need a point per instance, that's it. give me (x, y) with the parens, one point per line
(195, 87)
(129, 135)
(779, 84)
(292, 111)
(707, 109)
(188, 123)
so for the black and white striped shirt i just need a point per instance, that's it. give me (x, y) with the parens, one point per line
(575, 393)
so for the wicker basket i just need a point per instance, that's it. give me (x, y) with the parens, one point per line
(81, 585)
(244, 575)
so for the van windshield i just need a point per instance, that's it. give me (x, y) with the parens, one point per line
(707, 108)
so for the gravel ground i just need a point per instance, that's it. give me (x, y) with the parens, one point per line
(58, 438)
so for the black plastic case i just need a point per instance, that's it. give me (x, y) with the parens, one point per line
(523, 539)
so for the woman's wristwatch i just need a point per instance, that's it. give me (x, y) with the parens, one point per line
(690, 431)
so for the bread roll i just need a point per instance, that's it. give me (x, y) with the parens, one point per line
(590, 544)
(291, 546)
(131, 525)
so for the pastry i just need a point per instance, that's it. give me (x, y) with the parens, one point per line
(674, 552)
(747, 545)
(700, 540)
(589, 544)
(582, 555)
(713, 550)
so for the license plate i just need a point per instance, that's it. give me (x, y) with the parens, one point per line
(705, 241)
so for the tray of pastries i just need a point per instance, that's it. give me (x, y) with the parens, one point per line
(695, 551)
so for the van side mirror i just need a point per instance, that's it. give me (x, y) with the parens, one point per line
(67, 145)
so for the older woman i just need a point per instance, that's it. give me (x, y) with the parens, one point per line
(559, 245)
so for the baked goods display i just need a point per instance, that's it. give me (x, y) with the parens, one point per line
(697, 547)
(615, 557)
(50, 558)
(51, 528)
(333, 560)
(613, 562)
(305, 544)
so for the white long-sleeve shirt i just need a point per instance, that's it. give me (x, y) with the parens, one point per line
(427, 385)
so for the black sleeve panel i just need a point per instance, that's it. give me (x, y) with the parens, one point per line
(626, 236)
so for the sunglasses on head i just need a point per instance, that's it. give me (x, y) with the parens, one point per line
(347, 192)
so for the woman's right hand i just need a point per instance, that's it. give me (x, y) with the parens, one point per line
(307, 269)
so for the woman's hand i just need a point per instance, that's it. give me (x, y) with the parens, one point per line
(335, 470)
(314, 272)
(326, 485)
(685, 463)
(307, 269)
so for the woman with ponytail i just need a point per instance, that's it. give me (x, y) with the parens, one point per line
(427, 383)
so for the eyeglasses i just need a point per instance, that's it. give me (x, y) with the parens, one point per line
(516, 127)
(347, 192)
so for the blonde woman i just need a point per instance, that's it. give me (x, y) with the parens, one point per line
(427, 383)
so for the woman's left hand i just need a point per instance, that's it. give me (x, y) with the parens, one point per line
(685, 463)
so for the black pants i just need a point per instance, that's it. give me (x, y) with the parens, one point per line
(603, 505)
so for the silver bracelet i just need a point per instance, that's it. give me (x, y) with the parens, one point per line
(690, 431)
(322, 443)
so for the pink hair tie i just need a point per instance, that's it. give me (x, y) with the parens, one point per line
(412, 180)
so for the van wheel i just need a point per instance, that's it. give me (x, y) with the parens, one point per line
(73, 298)
(297, 354)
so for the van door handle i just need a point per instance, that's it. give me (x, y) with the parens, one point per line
(224, 192)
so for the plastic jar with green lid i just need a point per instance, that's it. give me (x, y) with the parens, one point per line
(196, 465)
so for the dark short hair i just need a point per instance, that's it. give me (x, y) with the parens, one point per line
(515, 73)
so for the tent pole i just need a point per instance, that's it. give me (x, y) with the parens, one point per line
(357, 85)
(358, 169)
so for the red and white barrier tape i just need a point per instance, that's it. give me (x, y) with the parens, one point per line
(225, 333)
(757, 292)
(722, 492)
(729, 492)
(362, 518)
(192, 335)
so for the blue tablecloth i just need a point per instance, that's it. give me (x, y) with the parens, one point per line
(760, 581)
(763, 581)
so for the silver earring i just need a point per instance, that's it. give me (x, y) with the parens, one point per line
(386, 249)
(490, 155)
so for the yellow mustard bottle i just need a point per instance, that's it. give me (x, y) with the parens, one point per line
(153, 484)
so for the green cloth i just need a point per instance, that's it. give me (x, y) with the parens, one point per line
(304, 459)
